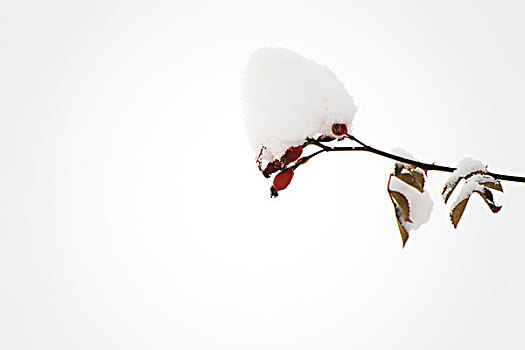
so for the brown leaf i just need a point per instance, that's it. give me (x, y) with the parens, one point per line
(403, 232)
(420, 178)
(414, 179)
(398, 169)
(448, 189)
(457, 211)
(490, 182)
(494, 186)
(402, 205)
(489, 199)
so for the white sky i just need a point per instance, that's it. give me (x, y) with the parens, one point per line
(132, 215)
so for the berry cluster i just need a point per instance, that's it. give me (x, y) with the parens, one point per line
(285, 165)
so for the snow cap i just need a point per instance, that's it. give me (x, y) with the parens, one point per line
(465, 167)
(288, 98)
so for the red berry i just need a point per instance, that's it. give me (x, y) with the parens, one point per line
(292, 154)
(270, 169)
(283, 179)
(339, 129)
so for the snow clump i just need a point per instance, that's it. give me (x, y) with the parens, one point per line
(420, 204)
(472, 184)
(465, 167)
(288, 98)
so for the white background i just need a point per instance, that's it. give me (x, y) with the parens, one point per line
(132, 215)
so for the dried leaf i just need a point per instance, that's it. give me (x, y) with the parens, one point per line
(414, 179)
(420, 178)
(490, 182)
(489, 199)
(480, 177)
(457, 211)
(495, 186)
(403, 232)
(402, 205)
(400, 201)
(477, 172)
(448, 189)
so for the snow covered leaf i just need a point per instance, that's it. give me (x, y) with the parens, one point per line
(406, 188)
(481, 177)
(490, 182)
(450, 186)
(401, 205)
(409, 173)
(459, 207)
(476, 183)
(466, 167)
(412, 206)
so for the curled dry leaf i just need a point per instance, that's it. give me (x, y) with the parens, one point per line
(402, 208)
(479, 183)
(489, 182)
(467, 167)
(450, 186)
(489, 200)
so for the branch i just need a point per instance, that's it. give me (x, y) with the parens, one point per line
(424, 166)
(477, 180)
(324, 148)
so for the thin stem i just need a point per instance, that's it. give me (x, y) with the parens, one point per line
(424, 166)
(367, 148)
(324, 148)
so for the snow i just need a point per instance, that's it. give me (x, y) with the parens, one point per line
(398, 151)
(420, 204)
(471, 185)
(465, 166)
(288, 98)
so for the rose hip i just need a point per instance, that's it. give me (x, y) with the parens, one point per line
(339, 129)
(270, 169)
(283, 179)
(292, 154)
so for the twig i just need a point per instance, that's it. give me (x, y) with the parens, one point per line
(427, 166)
